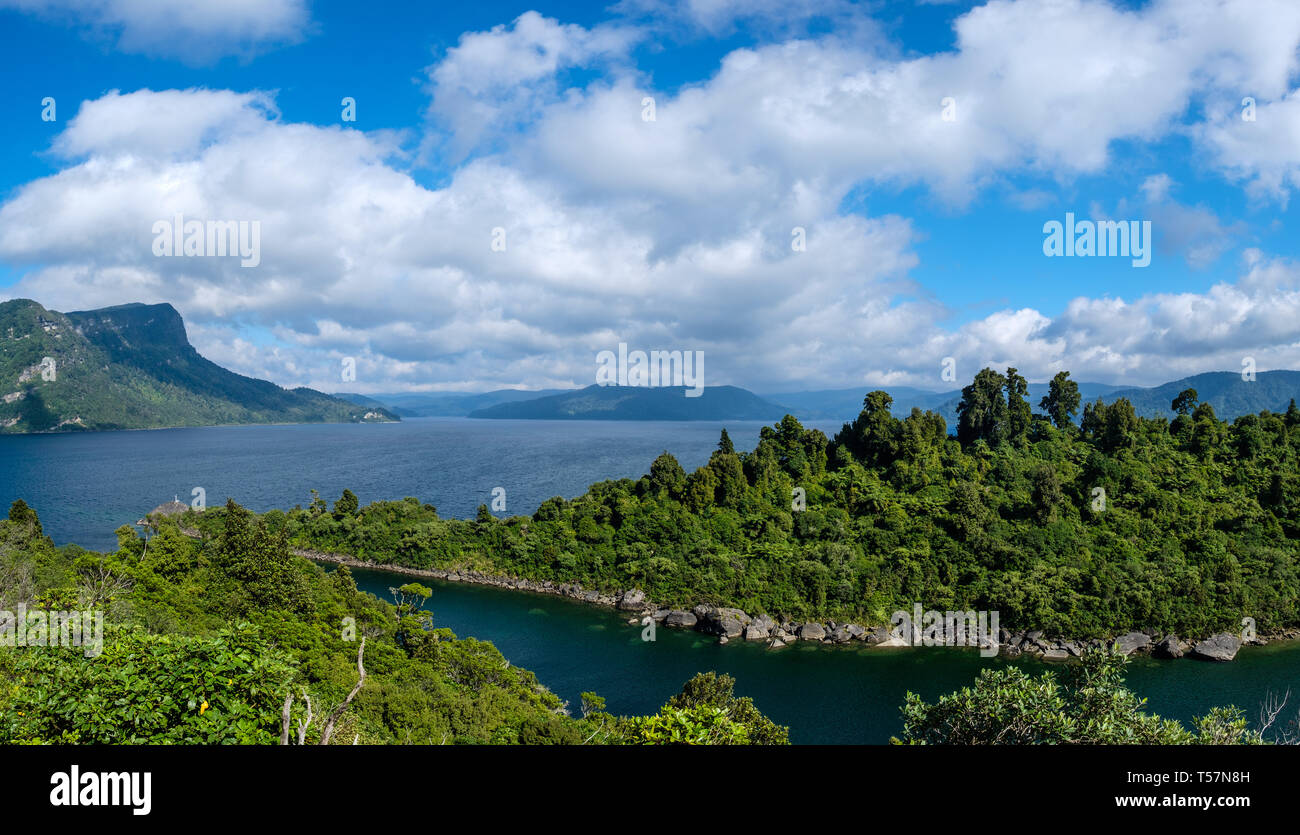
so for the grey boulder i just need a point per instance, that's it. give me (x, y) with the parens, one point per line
(1221, 647)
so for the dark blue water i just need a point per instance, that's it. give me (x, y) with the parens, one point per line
(84, 486)
(824, 694)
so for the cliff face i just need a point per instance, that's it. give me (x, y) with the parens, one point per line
(133, 367)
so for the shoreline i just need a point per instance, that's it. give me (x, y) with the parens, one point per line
(729, 624)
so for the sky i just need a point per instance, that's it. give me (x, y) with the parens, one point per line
(813, 193)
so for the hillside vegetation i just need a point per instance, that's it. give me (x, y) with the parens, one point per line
(132, 367)
(220, 640)
(1084, 531)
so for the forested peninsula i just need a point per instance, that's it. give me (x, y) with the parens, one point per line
(1162, 533)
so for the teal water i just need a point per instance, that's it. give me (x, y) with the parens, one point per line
(86, 485)
(824, 694)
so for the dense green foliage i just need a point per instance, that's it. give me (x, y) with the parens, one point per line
(132, 367)
(206, 639)
(1120, 522)
(1085, 704)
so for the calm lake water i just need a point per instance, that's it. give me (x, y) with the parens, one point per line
(84, 486)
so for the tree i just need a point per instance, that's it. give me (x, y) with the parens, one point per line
(667, 476)
(1185, 402)
(327, 731)
(150, 689)
(724, 444)
(873, 437)
(730, 474)
(710, 690)
(982, 412)
(1062, 399)
(347, 505)
(254, 564)
(1121, 424)
(1019, 413)
(1046, 492)
(1087, 704)
(21, 514)
(412, 617)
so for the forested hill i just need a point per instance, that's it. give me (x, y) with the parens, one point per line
(1227, 391)
(132, 367)
(1229, 394)
(1082, 530)
(232, 640)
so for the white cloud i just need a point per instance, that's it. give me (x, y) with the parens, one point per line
(667, 234)
(195, 31)
(499, 79)
(1264, 153)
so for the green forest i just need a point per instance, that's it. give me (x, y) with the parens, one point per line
(233, 640)
(238, 641)
(1084, 520)
(217, 633)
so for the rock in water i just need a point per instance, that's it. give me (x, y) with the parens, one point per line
(1133, 641)
(679, 618)
(1170, 647)
(812, 632)
(1221, 647)
(633, 600)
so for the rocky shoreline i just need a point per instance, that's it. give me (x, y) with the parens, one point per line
(730, 624)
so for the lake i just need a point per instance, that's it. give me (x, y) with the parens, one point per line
(86, 485)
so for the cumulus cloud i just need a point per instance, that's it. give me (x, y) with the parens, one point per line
(668, 234)
(1263, 151)
(1045, 85)
(195, 31)
(359, 260)
(499, 79)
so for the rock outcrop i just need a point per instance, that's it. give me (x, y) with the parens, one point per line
(1220, 647)
(730, 623)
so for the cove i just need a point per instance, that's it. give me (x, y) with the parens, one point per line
(824, 694)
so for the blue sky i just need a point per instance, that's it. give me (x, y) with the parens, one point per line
(924, 233)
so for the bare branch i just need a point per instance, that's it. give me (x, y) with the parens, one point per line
(338, 711)
(284, 718)
(303, 725)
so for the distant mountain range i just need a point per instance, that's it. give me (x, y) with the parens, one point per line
(844, 404)
(1226, 391)
(445, 404)
(132, 367)
(639, 403)
(1230, 396)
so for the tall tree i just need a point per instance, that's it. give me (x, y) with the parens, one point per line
(1185, 402)
(1062, 399)
(1019, 413)
(982, 412)
(873, 437)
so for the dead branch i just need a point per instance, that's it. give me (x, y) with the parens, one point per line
(338, 711)
(303, 725)
(284, 718)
